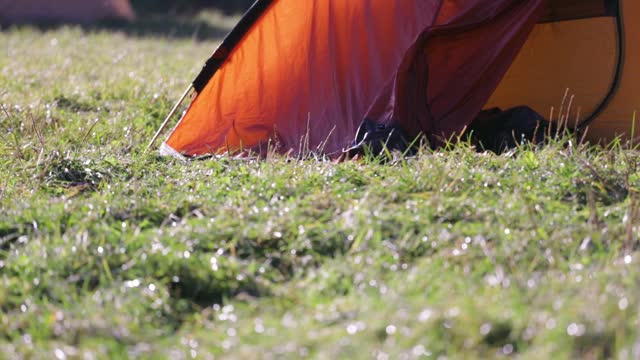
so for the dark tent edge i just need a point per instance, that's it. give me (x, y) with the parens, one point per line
(229, 43)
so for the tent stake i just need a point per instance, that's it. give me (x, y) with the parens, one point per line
(166, 121)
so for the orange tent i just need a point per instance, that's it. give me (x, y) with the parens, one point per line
(77, 11)
(309, 72)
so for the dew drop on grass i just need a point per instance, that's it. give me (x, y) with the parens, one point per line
(425, 315)
(576, 267)
(453, 312)
(576, 330)
(391, 329)
(623, 304)
(132, 283)
(226, 345)
(485, 329)
(59, 354)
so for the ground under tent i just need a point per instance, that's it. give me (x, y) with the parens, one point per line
(76, 11)
(309, 72)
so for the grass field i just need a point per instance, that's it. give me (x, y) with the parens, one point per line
(106, 252)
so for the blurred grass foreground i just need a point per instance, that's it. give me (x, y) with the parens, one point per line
(107, 252)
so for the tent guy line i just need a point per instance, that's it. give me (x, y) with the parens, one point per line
(216, 60)
(172, 113)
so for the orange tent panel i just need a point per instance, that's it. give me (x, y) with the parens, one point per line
(309, 72)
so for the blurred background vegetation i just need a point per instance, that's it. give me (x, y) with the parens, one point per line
(186, 6)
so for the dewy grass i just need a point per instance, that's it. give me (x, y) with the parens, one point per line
(111, 253)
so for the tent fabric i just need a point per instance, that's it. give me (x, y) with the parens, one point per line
(309, 72)
(79, 11)
(548, 77)
(588, 59)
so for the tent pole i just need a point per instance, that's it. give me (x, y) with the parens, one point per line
(166, 121)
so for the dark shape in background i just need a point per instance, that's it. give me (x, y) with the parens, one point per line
(166, 18)
(178, 18)
(190, 6)
(72, 11)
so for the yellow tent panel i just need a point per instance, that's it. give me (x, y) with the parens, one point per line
(594, 60)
